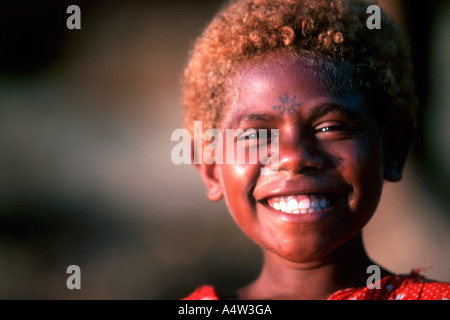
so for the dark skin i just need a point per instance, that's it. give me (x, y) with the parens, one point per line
(329, 145)
(287, 105)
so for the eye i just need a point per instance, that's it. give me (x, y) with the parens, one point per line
(333, 129)
(252, 137)
(249, 135)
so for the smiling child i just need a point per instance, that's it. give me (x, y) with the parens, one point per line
(341, 99)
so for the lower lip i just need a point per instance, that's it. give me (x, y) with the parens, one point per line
(301, 217)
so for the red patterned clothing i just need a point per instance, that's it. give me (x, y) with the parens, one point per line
(204, 292)
(396, 287)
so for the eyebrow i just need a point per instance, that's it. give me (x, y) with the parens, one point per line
(315, 113)
(267, 117)
(325, 108)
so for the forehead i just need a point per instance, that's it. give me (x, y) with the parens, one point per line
(305, 70)
(306, 77)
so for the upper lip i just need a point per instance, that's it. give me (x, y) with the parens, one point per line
(297, 186)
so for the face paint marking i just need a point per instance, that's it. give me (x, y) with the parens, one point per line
(287, 105)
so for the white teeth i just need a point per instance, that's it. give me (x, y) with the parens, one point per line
(304, 204)
(300, 204)
(276, 205)
(292, 204)
(283, 206)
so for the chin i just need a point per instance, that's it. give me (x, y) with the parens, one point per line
(316, 251)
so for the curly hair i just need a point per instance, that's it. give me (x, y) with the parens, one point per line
(332, 30)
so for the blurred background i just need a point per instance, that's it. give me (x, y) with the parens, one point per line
(86, 176)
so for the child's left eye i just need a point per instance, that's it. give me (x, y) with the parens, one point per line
(329, 128)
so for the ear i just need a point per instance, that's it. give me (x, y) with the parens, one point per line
(210, 176)
(393, 172)
(397, 139)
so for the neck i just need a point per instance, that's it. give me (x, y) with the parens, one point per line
(345, 267)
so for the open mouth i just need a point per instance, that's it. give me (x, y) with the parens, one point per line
(301, 204)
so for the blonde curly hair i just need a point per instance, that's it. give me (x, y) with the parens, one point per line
(332, 30)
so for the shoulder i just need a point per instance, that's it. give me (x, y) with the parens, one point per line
(205, 292)
(411, 286)
(417, 287)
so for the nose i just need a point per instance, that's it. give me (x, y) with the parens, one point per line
(300, 157)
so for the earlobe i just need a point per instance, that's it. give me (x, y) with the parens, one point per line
(393, 172)
(397, 141)
(210, 177)
(214, 193)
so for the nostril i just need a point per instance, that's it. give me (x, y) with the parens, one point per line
(310, 170)
(300, 160)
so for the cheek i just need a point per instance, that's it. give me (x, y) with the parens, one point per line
(360, 164)
(238, 182)
(240, 170)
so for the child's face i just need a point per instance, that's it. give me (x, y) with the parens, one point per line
(330, 162)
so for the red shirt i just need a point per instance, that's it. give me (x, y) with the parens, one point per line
(395, 287)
